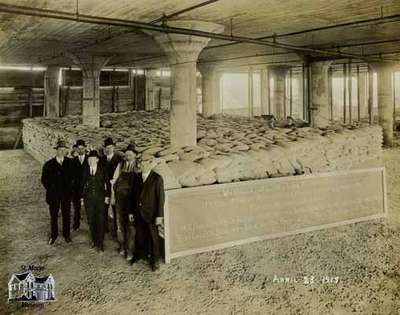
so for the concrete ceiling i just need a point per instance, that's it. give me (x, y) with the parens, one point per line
(42, 41)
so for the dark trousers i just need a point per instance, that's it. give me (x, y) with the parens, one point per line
(54, 207)
(152, 242)
(76, 201)
(95, 217)
(126, 231)
(110, 223)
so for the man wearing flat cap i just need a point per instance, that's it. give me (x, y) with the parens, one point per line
(123, 181)
(80, 162)
(95, 191)
(57, 179)
(110, 161)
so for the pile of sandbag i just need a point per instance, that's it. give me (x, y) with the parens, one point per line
(229, 148)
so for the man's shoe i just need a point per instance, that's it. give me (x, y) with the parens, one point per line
(52, 241)
(133, 260)
(67, 240)
(122, 252)
(100, 248)
(154, 266)
(76, 226)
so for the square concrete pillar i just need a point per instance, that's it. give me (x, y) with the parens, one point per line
(264, 82)
(150, 90)
(363, 96)
(320, 111)
(182, 52)
(210, 86)
(91, 99)
(52, 91)
(278, 74)
(385, 100)
(91, 67)
(183, 112)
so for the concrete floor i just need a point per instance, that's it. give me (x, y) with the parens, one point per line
(239, 280)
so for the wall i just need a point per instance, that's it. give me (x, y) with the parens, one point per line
(21, 96)
(112, 99)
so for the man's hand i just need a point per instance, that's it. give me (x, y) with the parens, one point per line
(107, 201)
(82, 202)
(159, 221)
(131, 219)
(110, 212)
(160, 229)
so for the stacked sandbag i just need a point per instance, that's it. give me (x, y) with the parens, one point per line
(229, 148)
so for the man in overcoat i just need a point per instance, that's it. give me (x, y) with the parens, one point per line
(95, 192)
(150, 197)
(80, 162)
(57, 178)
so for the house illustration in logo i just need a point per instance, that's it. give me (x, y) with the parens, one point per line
(26, 287)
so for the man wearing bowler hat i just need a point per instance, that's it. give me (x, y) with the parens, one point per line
(57, 179)
(110, 161)
(80, 162)
(95, 192)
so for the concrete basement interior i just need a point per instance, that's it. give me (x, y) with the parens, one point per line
(274, 127)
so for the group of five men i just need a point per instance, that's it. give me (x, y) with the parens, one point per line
(122, 188)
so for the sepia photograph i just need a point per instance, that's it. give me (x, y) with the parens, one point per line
(193, 157)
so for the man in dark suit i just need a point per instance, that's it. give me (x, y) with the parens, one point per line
(57, 179)
(110, 161)
(149, 200)
(80, 162)
(95, 192)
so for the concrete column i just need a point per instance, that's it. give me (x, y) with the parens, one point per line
(210, 86)
(91, 67)
(264, 91)
(363, 86)
(278, 73)
(150, 90)
(52, 91)
(320, 93)
(182, 52)
(250, 94)
(385, 100)
(131, 79)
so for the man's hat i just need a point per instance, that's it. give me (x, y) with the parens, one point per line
(131, 147)
(80, 142)
(108, 142)
(93, 153)
(60, 144)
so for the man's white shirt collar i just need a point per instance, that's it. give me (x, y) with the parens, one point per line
(93, 170)
(109, 157)
(145, 175)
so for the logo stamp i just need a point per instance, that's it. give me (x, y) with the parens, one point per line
(26, 287)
